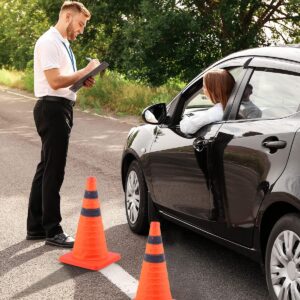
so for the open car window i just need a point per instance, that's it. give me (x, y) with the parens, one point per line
(199, 101)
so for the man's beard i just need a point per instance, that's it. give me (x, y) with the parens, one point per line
(71, 36)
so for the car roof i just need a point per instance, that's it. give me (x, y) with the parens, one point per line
(287, 52)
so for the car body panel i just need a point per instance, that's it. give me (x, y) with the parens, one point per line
(250, 171)
(173, 163)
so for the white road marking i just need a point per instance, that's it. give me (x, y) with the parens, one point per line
(123, 280)
(86, 111)
(118, 276)
(17, 94)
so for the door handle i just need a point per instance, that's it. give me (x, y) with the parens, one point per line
(274, 144)
(199, 144)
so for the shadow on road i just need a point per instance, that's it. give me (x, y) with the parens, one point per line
(63, 274)
(202, 269)
(198, 268)
(9, 260)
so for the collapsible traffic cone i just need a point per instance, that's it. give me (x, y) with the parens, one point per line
(90, 250)
(154, 281)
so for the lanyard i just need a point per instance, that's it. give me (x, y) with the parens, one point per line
(71, 55)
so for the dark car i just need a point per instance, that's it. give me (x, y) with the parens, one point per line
(236, 181)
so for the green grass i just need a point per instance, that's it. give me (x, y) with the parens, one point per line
(12, 79)
(115, 94)
(112, 93)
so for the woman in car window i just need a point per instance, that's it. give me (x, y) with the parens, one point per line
(217, 86)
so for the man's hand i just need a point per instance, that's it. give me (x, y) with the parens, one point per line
(58, 81)
(92, 65)
(89, 82)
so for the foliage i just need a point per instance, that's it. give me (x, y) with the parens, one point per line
(22, 22)
(152, 40)
(113, 93)
(166, 38)
(12, 79)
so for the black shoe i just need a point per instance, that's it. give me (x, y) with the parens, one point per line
(60, 240)
(35, 235)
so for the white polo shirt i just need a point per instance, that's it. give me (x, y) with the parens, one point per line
(52, 51)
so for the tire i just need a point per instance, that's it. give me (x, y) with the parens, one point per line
(136, 202)
(282, 262)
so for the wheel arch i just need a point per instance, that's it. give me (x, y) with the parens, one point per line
(128, 158)
(272, 214)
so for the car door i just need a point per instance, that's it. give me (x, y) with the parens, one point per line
(180, 180)
(250, 151)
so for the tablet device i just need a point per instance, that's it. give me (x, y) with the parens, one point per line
(79, 84)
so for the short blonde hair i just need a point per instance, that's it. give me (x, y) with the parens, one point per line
(219, 84)
(76, 7)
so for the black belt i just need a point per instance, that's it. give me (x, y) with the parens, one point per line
(58, 99)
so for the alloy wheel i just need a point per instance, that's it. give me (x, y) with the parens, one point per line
(285, 266)
(133, 196)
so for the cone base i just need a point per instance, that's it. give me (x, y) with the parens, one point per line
(90, 264)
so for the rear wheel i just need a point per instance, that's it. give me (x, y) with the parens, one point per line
(136, 203)
(283, 258)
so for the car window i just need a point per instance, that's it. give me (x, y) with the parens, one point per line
(198, 101)
(270, 94)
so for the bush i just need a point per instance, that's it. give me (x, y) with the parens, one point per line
(112, 93)
(12, 78)
(115, 94)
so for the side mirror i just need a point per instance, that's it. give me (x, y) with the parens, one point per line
(155, 114)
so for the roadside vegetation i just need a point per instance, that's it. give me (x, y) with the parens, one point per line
(113, 93)
(13, 79)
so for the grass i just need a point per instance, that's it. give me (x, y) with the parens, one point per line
(112, 93)
(13, 79)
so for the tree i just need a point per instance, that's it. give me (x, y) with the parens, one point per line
(153, 40)
(22, 23)
(160, 39)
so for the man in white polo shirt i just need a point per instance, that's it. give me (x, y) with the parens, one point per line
(54, 72)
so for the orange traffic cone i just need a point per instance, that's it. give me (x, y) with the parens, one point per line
(154, 281)
(90, 250)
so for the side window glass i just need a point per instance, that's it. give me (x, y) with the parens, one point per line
(270, 94)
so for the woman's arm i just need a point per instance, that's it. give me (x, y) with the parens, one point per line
(192, 123)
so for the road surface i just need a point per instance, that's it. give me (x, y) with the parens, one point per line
(197, 267)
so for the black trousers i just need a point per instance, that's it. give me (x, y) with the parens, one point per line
(54, 121)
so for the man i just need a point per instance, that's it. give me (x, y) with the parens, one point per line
(54, 72)
(248, 109)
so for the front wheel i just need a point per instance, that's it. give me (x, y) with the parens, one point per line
(136, 203)
(283, 258)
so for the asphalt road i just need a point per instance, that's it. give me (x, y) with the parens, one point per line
(198, 268)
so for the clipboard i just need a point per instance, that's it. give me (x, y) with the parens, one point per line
(79, 84)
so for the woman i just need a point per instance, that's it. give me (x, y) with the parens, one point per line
(217, 86)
